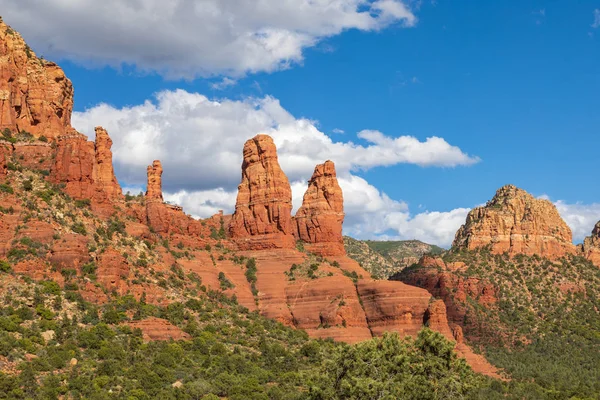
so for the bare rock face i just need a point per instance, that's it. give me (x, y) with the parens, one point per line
(393, 306)
(34, 155)
(319, 220)
(85, 167)
(262, 217)
(516, 222)
(158, 329)
(69, 252)
(35, 94)
(74, 165)
(113, 269)
(591, 246)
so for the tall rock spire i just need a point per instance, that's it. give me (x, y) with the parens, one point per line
(154, 186)
(262, 217)
(104, 174)
(319, 221)
(516, 222)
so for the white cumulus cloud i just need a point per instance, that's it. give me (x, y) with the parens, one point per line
(194, 38)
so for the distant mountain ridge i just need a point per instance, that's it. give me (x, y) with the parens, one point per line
(386, 258)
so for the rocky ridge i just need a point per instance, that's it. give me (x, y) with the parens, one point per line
(516, 223)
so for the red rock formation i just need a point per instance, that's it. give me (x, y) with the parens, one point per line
(74, 165)
(319, 219)
(154, 186)
(103, 174)
(37, 231)
(5, 154)
(69, 252)
(591, 246)
(158, 329)
(163, 217)
(393, 306)
(437, 278)
(516, 222)
(34, 155)
(112, 269)
(35, 94)
(262, 217)
(328, 307)
(85, 168)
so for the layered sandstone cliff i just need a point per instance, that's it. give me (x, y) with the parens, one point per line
(85, 168)
(319, 220)
(591, 246)
(262, 217)
(35, 94)
(517, 223)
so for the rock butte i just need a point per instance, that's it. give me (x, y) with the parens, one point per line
(515, 222)
(35, 94)
(37, 97)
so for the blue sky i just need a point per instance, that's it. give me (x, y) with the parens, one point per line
(515, 84)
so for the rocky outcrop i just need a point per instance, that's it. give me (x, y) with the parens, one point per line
(154, 184)
(517, 223)
(85, 167)
(34, 155)
(158, 329)
(439, 279)
(393, 306)
(5, 154)
(69, 252)
(74, 165)
(262, 217)
(35, 94)
(319, 220)
(328, 307)
(112, 269)
(591, 246)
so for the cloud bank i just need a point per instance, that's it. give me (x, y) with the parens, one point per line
(194, 38)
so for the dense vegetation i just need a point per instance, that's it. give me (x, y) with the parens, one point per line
(544, 330)
(232, 354)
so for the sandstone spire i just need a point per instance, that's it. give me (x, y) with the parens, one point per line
(104, 175)
(35, 94)
(264, 201)
(516, 222)
(319, 220)
(154, 186)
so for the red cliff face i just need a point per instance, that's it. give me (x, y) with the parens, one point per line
(591, 246)
(74, 165)
(85, 168)
(35, 94)
(319, 221)
(262, 217)
(516, 222)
